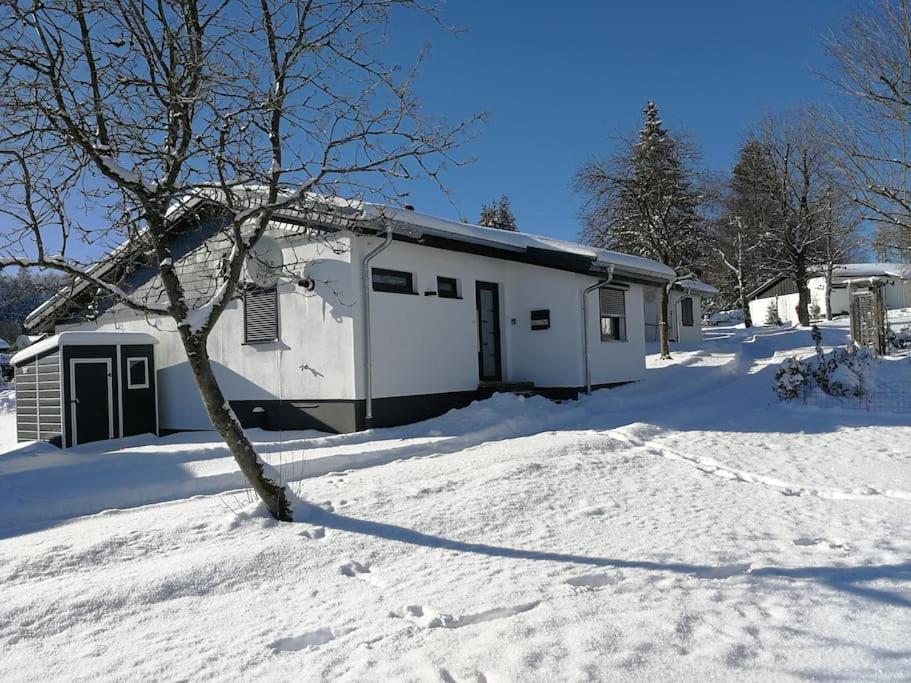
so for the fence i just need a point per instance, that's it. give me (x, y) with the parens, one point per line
(884, 397)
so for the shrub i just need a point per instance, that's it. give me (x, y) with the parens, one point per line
(840, 373)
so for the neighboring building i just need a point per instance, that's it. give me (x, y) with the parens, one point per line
(456, 312)
(684, 311)
(781, 292)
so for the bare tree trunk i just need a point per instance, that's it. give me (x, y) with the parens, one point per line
(663, 335)
(745, 306)
(803, 290)
(272, 493)
(829, 268)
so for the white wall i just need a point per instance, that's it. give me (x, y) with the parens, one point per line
(678, 332)
(313, 358)
(441, 354)
(897, 294)
(421, 344)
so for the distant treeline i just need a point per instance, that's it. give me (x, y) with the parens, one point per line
(20, 294)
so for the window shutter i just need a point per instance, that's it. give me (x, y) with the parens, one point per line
(260, 315)
(613, 303)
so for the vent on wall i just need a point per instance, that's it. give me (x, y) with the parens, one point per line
(260, 315)
(540, 319)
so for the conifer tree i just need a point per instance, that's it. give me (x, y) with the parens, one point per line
(498, 214)
(645, 202)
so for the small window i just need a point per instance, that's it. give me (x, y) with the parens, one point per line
(686, 311)
(260, 315)
(137, 373)
(447, 288)
(612, 304)
(540, 319)
(395, 281)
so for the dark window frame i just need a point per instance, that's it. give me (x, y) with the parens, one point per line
(262, 291)
(686, 312)
(406, 288)
(454, 294)
(616, 323)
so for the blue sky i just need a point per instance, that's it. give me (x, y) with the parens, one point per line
(561, 80)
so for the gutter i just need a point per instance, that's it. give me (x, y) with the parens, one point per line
(368, 358)
(585, 350)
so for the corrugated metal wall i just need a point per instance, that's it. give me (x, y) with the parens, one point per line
(38, 399)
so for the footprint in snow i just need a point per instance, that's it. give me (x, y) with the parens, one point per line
(307, 641)
(353, 568)
(315, 534)
(450, 621)
(829, 545)
(593, 581)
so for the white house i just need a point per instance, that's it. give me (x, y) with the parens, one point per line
(684, 311)
(781, 292)
(386, 317)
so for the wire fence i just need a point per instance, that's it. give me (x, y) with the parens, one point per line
(883, 397)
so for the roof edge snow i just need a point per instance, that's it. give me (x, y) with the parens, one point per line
(82, 338)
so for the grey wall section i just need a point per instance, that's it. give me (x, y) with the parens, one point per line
(38, 410)
(343, 416)
(139, 407)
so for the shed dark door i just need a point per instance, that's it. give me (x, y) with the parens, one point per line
(488, 302)
(91, 403)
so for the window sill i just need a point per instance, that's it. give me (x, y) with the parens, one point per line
(394, 291)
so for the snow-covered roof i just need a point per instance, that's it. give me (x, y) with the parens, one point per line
(78, 338)
(3, 345)
(847, 271)
(514, 241)
(693, 285)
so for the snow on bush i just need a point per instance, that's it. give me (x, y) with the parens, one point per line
(899, 339)
(840, 373)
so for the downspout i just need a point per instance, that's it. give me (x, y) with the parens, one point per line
(585, 351)
(368, 358)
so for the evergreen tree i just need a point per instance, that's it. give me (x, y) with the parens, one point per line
(498, 214)
(743, 230)
(645, 202)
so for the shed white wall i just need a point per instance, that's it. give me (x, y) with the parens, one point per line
(897, 293)
(313, 358)
(680, 333)
(425, 344)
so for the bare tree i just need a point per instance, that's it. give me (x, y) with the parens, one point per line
(801, 159)
(644, 201)
(134, 107)
(872, 55)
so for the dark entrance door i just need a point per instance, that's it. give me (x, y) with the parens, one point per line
(91, 407)
(487, 295)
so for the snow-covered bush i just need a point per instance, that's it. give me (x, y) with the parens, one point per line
(841, 373)
(899, 339)
(814, 310)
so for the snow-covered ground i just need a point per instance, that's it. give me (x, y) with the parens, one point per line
(688, 526)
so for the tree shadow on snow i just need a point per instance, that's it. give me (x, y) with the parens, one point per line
(848, 579)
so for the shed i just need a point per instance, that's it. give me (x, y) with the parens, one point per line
(77, 387)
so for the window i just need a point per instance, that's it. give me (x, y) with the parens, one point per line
(260, 315)
(612, 303)
(540, 319)
(394, 281)
(447, 288)
(137, 373)
(686, 311)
